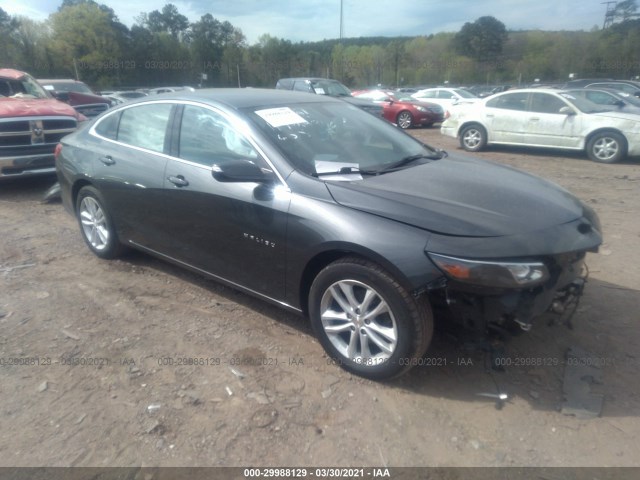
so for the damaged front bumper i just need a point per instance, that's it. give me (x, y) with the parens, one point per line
(482, 308)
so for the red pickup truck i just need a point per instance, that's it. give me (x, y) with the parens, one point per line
(32, 123)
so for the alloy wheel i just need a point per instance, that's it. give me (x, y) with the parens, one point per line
(358, 322)
(94, 223)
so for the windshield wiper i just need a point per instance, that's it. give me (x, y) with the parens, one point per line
(343, 171)
(403, 162)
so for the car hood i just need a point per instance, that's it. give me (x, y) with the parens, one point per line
(422, 103)
(26, 107)
(462, 197)
(78, 98)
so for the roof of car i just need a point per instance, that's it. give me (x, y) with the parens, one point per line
(311, 79)
(58, 80)
(243, 97)
(11, 73)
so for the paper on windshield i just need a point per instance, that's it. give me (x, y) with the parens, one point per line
(280, 117)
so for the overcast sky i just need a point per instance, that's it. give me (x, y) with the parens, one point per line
(311, 20)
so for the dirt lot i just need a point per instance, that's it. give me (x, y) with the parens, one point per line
(105, 382)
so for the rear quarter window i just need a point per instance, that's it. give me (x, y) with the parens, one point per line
(108, 126)
(145, 126)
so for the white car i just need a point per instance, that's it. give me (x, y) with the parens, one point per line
(445, 97)
(546, 118)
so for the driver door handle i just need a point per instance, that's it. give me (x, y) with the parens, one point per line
(178, 181)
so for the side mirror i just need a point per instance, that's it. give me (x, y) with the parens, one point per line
(240, 171)
(567, 111)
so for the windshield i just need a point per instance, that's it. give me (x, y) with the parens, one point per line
(25, 87)
(464, 93)
(329, 137)
(331, 88)
(78, 87)
(403, 97)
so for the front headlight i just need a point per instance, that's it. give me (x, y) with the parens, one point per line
(422, 109)
(504, 274)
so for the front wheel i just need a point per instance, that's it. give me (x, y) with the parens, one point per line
(404, 119)
(607, 147)
(96, 225)
(473, 138)
(366, 321)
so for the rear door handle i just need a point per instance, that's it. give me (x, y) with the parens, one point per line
(107, 160)
(178, 181)
(535, 119)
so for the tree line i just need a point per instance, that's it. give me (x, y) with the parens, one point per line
(86, 40)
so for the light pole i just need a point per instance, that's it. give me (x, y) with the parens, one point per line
(341, 18)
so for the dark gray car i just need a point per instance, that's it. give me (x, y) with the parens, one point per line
(330, 88)
(622, 101)
(310, 203)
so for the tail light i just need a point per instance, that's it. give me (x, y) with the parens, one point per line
(446, 114)
(57, 151)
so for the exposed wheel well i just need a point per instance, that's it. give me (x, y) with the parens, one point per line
(312, 269)
(76, 188)
(606, 130)
(317, 263)
(469, 124)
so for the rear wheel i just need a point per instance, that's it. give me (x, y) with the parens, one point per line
(366, 321)
(607, 147)
(404, 119)
(473, 138)
(96, 225)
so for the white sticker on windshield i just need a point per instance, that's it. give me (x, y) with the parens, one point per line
(319, 91)
(280, 117)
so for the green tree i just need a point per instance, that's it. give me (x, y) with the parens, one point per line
(169, 20)
(625, 10)
(481, 40)
(8, 30)
(31, 42)
(85, 44)
(215, 46)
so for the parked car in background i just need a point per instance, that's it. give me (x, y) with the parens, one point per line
(363, 228)
(546, 118)
(118, 97)
(616, 99)
(157, 90)
(32, 123)
(445, 97)
(407, 89)
(330, 88)
(583, 82)
(77, 94)
(627, 86)
(402, 109)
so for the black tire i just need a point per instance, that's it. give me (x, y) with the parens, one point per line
(607, 147)
(404, 119)
(394, 313)
(96, 225)
(473, 138)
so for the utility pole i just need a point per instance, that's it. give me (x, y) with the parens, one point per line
(341, 19)
(609, 14)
